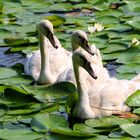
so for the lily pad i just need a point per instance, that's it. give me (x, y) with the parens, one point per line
(115, 47)
(56, 20)
(58, 91)
(46, 122)
(7, 73)
(137, 111)
(17, 97)
(129, 68)
(106, 122)
(19, 134)
(16, 41)
(132, 129)
(134, 99)
(1, 8)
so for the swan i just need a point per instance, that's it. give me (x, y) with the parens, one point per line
(49, 64)
(46, 64)
(105, 95)
(79, 41)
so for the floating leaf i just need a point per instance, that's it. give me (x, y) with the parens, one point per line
(115, 47)
(61, 7)
(128, 76)
(16, 41)
(56, 20)
(109, 12)
(106, 122)
(17, 80)
(84, 128)
(134, 99)
(137, 111)
(119, 27)
(70, 132)
(129, 68)
(58, 91)
(131, 128)
(16, 96)
(129, 54)
(35, 108)
(21, 134)
(1, 8)
(134, 24)
(7, 73)
(107, 19)
(46, 122)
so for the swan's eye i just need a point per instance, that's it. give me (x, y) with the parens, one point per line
(84, 41)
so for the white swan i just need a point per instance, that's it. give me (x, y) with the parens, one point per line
(79, 40)
(46, 64)
(105, 96)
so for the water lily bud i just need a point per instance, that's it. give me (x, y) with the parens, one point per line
(135, 42)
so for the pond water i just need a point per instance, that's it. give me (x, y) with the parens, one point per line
(9, 60)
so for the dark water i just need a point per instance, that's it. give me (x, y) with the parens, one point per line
(111, 67)
(8, 60)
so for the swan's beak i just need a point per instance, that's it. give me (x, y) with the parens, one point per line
(90, 71)
(52, 39)
(86, 46)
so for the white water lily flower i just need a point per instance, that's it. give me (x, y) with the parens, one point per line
(91, 29)
(97, 27)
(135, 42)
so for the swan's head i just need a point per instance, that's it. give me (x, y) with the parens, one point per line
(79, 38)
(80, 59)
(45, 28)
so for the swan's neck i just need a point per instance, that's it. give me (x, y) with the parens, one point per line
(45, 76)
(83, 99)
(74, 46)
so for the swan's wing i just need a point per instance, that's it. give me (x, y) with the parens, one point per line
(67, 75)
(33, 65)
(59, 61)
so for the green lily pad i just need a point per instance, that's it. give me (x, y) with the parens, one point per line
(115, 47)
(16, 41)
(56, 20)
(131, 128)
(46, 122)
(17, 97)
(137, 111)
(129, 68)
(109, 12)
(17, 80)
(110, 56)
(134, 99)
(21, 134)
(7, 73)
(1, 8)
(129, 54)
(58, 91)
(107, 19)
(119, 27)
(61, 7)
(69, 132)
(134, 24)
(119, 135)
(35, 108)
(125, 75)
(106, 122)
(84, 128)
